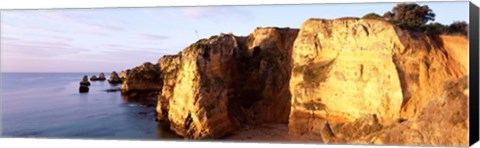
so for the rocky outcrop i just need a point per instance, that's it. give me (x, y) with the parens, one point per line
(124, 74)
(355, 79)
(114, 78)
(169, 66)
(424, 65)
(145, 77)
(93, 78)
(216, 85)
(142, 83)
(84, 83)
(101, 77)
(343, 70)
(444, 121)
(343, 81)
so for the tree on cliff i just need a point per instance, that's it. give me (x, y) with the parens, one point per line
(410, 15)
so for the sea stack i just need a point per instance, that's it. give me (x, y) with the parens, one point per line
(84, 85)
(114, 78)
(93, 78)
(101, 77)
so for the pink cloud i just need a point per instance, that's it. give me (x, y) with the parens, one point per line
(216, 13)
(154, 37)
(38, 48)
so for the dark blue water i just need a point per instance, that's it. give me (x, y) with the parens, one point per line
(49, 105)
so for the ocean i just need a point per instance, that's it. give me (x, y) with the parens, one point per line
(49, 105)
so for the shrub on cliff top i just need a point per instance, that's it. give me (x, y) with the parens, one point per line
(204, 41)
(456, 28)
(434, 28)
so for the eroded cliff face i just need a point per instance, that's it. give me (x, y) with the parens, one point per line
(142, 78)
(142, 84)
(199, 105)
(343, 70)
(347, 80)
(424, 65)
(363, 81)
(169, 66)
(443, 121)
(216, 85)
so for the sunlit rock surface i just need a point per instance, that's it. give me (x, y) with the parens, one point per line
(348, 80)
(216, 85)
(114, 78)
(355, 79)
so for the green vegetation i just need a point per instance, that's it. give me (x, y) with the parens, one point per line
(414, 17)
(410, 15)
(203, 41)
(456, 28)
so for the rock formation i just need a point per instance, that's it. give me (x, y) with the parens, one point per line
(124, 74)
(346, 80)
(216, 85)
(353, 74)
(114, 78)
(169, 66)
(343, 70)
(93, 78)
(142, 83)
(84, 83)
(101, 77)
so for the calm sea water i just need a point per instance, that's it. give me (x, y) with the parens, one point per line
(48, 105)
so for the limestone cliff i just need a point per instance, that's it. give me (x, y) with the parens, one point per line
(424, 66)
(142, 83)
(346, 80)
(355, 78)
(343, 70)
(142, 78)
(214, 86)
(169, 66)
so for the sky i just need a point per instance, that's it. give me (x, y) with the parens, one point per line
(108, 39)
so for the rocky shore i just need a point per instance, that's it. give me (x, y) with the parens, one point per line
(349, 80)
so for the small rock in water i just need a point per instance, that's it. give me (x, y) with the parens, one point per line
(101, 77)
(84, 83)
(114, 78)
(93, 78)
(113, 90)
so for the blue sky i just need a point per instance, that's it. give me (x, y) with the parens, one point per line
(103, 40)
